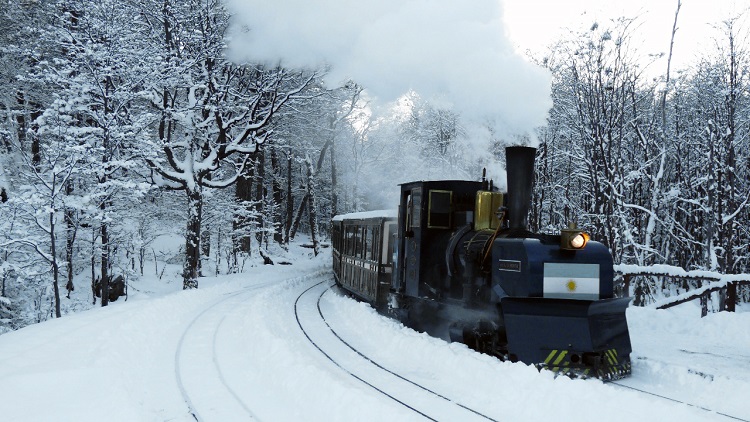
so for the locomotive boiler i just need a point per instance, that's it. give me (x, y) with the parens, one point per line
(457, 261)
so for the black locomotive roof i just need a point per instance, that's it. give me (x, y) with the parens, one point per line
(438, 182)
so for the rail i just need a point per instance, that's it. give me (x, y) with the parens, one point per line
(725, 284)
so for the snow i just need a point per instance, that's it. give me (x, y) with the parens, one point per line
(234, 350)
(673, 271)
(367, 214)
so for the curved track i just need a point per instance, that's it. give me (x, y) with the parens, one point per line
(619, 384)
(628, 385)
(199, 368)
(417, 398)
(198, 346)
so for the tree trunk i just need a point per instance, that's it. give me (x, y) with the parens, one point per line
(104, 232)
(260, 194)
(711, 200)
(312, 210)
(243, 194)
(278, 235)
(191, 267)
(726, 235)
(69, 239)
(141, 257)
(289, 200)
(28, 114)
(93, 266)
(205, 244)
(21, 119)
(55, 267)
(298, 216)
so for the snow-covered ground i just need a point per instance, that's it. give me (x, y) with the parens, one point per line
(255, 346)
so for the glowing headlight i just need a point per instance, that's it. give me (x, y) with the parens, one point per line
(578, 241)
(573, 239)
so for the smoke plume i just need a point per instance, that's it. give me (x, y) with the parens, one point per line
(451, 51)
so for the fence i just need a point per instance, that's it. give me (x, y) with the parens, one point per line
(725, 284)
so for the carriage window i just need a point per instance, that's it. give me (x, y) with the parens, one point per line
(345, 245)
(357, 242)
(375, 234)
(389, 243)
(366, 241)
(439, 214)
(351, 240)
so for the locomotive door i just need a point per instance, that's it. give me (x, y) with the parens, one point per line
(412, 236)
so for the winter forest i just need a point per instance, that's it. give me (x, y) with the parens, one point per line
(122, 121)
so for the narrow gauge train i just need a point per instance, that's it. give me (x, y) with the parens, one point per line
(457, 261)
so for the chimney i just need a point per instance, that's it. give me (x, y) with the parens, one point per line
(519, 165)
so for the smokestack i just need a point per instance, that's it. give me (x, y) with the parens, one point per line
(519, 165)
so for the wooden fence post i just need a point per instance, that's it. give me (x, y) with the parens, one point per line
(626, 286)
(731, 296)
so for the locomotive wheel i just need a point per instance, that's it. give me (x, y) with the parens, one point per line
(483, 337)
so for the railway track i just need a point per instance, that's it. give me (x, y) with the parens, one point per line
(422, 401)
(205, 372)
(199, 370)
(667, 394)
(665, 397)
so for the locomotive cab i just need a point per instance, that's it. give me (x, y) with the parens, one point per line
(428, 214)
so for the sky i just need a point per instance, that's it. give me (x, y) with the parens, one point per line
(535, 24)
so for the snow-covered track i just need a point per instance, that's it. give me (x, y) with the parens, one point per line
(415, 397)
(197, 345)
(664, 396)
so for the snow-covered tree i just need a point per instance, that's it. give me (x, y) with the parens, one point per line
(211, 114)
(650, 167)
(96, 70)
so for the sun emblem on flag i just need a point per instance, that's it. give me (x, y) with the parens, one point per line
(571, 285)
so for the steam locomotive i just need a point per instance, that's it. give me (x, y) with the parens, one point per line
(457, 261)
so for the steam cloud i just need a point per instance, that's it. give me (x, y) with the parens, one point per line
(453, 51)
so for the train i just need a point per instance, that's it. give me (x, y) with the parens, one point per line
(456, 260)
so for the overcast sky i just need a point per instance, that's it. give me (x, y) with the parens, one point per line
(535, 24)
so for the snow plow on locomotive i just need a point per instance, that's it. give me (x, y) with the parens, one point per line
(458, 262)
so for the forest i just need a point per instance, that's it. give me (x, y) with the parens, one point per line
(121, 121)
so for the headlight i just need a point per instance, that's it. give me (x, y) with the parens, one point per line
(573, 239)
(578, 241)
